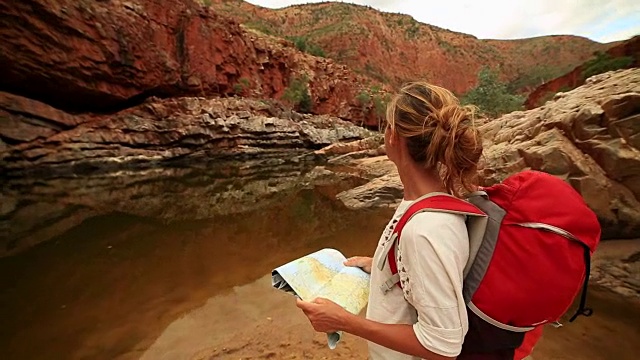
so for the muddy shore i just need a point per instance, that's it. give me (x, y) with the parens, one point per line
(269, 326)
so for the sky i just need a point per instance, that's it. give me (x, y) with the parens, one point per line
(599, 20)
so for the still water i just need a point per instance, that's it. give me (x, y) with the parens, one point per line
(118, 259)
(175, 263)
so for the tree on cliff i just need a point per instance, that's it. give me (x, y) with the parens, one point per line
(297, 94)
(491, 95)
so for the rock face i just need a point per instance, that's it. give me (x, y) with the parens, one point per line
(589, 137)
(102, 56)
(39, 137)
(574, 78)
(382, 190)
(344, 152)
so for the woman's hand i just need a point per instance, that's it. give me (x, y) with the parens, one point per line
(324, 315)
(360, 261)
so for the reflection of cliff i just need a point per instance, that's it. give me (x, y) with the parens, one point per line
(107, 288)
(575, 78)
(35, 210)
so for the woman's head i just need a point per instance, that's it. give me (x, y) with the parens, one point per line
(436, 132)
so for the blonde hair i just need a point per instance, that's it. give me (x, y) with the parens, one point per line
(440, 133)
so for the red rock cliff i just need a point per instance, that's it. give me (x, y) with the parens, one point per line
(396, 48)
(103, 56)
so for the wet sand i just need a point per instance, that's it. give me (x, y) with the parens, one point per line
(267, 325)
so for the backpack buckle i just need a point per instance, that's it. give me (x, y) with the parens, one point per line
(390, 283)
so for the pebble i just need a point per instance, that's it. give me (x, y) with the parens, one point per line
(618, 275)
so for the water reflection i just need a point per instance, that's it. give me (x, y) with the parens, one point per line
(145, 249)
(35, 210)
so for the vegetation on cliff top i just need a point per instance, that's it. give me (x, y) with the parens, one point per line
(395, 48)
(603, 62)
(303, 44)
(373, 100)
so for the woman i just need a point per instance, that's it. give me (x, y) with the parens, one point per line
(432, 141)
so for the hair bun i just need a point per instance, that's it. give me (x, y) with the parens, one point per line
(440, 133)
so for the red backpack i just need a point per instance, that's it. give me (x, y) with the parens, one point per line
(531, 241)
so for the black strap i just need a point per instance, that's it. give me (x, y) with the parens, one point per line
(582, 309)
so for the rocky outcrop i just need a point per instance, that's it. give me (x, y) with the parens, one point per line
(575, 78)
(102, 56)
(37, 137)
(372, 143)
(344, 152)
(382, 190)
(589, 137)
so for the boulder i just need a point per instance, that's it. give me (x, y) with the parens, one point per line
(616, 266)
(383, 192)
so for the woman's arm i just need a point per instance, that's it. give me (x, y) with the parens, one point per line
(398, 337)
(327, 316)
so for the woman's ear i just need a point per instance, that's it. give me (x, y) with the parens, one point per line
(392, 136)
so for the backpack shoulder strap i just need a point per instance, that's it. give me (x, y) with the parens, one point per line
(433, 203)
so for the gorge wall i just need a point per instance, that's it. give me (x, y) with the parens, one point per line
(104, 56)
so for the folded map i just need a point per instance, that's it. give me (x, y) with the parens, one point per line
(323, 274)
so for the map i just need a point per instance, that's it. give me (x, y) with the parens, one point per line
(323, 274)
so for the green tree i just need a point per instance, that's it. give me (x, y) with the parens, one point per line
(297, 94)
(492, 96)
(303, 44)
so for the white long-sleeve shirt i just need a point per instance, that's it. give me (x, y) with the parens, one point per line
(433, 250)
